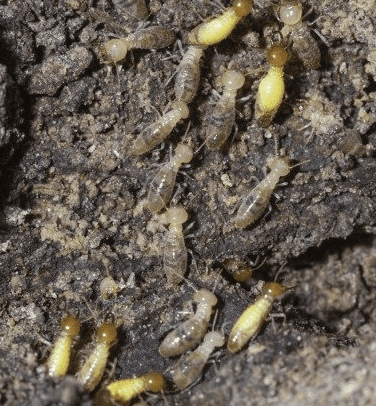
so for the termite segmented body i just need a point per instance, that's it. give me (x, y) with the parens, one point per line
(220, 27)
(161, 187)
(188, 77)
(223, 118)
(154, 134)
(58, 362)
(190, 367)
(272, 87)
(251, 320)
(257, 200)
(148, 38)
(189, 333)
(290, 13)
(174, 250)
(126, 389)
(92, 371)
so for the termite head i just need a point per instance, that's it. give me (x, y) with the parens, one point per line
(176, 215)
(279, 164)
(242, 7)
(115, 50)
(106, 333)
(108, 288)
(233, 79)
(183, 153)
(277, 56)
(273, 289)
(291, 12)
(70, 326)
(154, 382)
(204, 295)
(182, 107)
(215, 338)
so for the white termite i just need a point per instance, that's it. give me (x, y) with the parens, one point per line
(161, 187)
(255, 203)
(190, 367)
(223, 117)
(290, 13)
(188, 76)
(188, 334)
(152, 135)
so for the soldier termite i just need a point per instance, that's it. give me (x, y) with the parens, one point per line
(188, 76)
(58, 362)
(223, 117)
(126, 389)
(255, 203)
(188, 334)
(154, 134)
(220, 27)
(148, 38)
(250, 321)
(290, 13)
(190, 367)
(91, 372)
(161, 187)
(174, 250)
(272, 87)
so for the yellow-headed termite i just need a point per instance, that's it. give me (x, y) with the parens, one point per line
(223, 117)
(174, 250)
(58, 362)
(272, 87)
(161, 187)
(251, 320)
(190, 367)
(290, 13)
(91, 372)
(188, 76)
(148, 38)
(126, 389)
(190, 332)
(154, 134)
(220, 27)
(255, 203)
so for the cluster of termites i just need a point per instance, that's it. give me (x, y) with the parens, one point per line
(269, 97)
(192, 335)
(187, 336)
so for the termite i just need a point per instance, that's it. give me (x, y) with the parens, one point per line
(272, 87)
(257, 200)
(174, 250)
(241, 270)
(190, 332)
(190, 367)
(188, 77)
(250, 321)
(126, 389)
(223, 117)
(161, 129)
(58, 362)
(148, 38)
(290, 13)
(220, 27)
(92, 371)
(161, 187)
